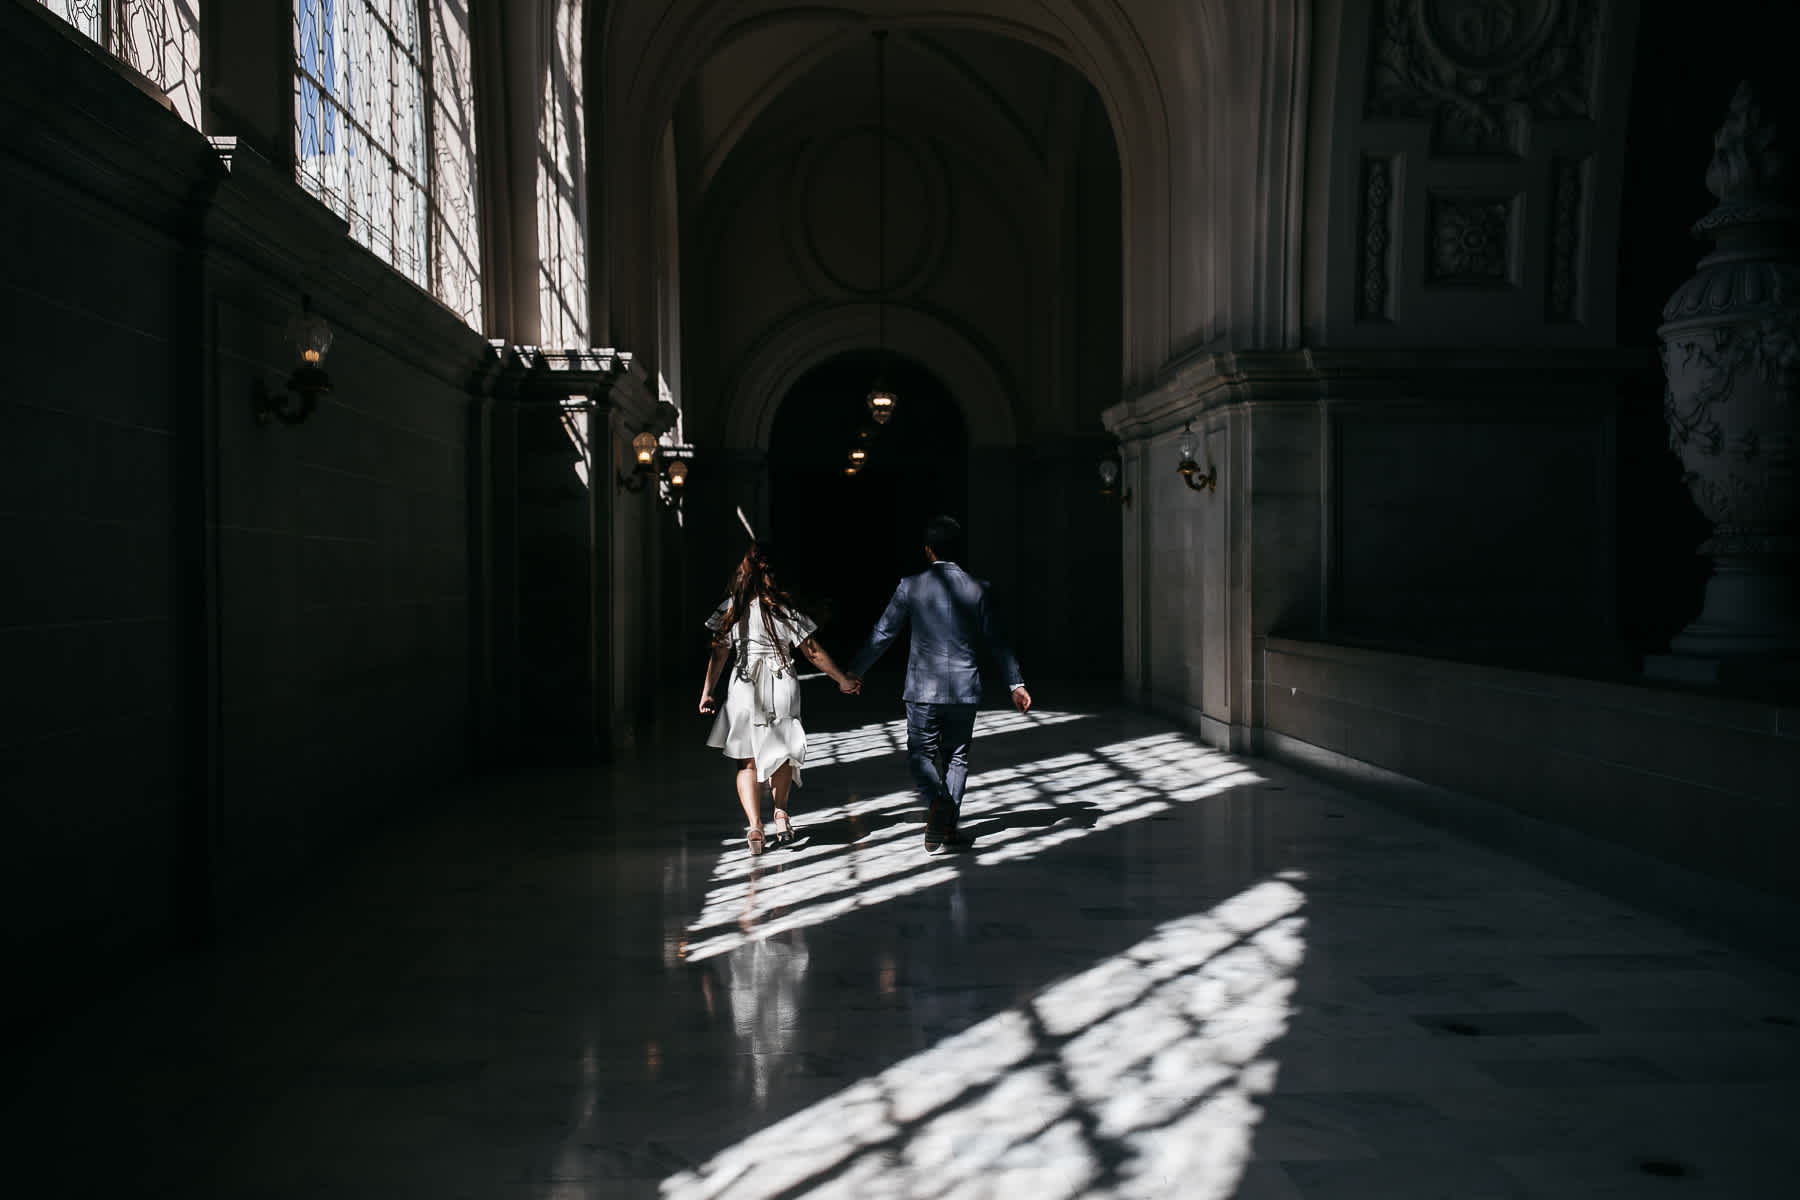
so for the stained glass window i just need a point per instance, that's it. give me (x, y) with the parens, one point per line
(160, 39)
(384, 135)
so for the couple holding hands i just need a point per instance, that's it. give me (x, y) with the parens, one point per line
(759, 727)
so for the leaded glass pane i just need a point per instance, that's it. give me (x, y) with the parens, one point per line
(85, 15)
(455, 245)
(160, 39)
(363, 145)
(562, 191)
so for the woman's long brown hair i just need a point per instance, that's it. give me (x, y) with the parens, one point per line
(754, 579)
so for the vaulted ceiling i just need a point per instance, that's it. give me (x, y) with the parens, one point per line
(986, 136)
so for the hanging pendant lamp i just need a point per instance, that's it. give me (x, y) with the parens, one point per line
(882, 401)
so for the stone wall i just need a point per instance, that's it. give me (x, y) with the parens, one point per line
(96, 426)
(233, 648)
(1443, 501)
(1705, 782)
(342, 544)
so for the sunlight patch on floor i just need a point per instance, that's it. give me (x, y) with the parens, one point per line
(1137, 1077)
(1016, 811)
(889, 737)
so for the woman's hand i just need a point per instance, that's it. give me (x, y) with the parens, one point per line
(707, 707)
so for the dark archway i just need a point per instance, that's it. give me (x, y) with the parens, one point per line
(843, 541)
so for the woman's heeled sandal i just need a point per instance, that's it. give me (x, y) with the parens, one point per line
(784, 831)
(753, 837)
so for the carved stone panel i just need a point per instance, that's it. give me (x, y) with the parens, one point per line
(1471, 239)
(1478, 70)
(1375, 270)
(1562, 300)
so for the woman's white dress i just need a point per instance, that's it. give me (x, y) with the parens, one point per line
(760, 718)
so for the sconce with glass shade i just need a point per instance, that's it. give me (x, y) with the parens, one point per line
(1190, 470)
(1109, 482)
(667, 465)
(643, 449)
(858, 457)
(311, 338)
(674, 475)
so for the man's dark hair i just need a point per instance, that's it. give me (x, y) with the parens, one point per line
(944, 535)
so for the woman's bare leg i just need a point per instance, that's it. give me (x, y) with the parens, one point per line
(749, 793)
(781, 783)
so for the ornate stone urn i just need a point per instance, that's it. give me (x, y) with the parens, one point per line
(1731, 351)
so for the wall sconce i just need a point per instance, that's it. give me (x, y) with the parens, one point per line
(858, 457)
(1109, 482)
(1190, 470)
(675, 474)
(643, 446)
(671, 476)
(300, 395)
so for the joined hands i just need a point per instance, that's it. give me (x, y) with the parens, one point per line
(850, 685)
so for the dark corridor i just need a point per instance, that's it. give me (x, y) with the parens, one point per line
(843, 541)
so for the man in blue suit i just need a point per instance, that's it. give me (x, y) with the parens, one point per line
(951, 621)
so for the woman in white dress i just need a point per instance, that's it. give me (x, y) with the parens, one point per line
(759, 726)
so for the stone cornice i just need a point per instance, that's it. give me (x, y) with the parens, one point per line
(1206, 383)
(607, 377)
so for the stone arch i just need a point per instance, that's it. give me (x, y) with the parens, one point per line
(650, 54)
(798, 345)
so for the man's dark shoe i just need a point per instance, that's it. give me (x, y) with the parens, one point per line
(955, 842)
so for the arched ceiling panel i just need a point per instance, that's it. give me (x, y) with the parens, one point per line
(653, 51)
(990, 90)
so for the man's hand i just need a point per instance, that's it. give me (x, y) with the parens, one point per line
(850, 685)
(1021, 700)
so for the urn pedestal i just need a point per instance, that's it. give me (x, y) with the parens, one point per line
(1731, 354)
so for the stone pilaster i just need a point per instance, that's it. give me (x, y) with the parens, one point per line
(571, 409)
(1456, 503)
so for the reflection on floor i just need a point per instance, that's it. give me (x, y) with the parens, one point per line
(1162, 972)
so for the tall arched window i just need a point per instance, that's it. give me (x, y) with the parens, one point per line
(384, 134)
(160, 39)
(562, 186)
(455, 230)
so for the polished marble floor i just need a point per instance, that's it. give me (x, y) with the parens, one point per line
(1162, 972)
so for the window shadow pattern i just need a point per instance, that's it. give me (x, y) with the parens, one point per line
(1140, 1076)
(866, 852)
